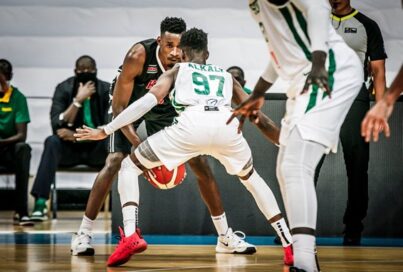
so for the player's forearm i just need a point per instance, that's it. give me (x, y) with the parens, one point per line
(121, 96)
(132, 113)
(131, 135)
(261, 87)
(318, 16)
(268, 128)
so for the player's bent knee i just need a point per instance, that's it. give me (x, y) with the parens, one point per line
(201, 169)
(113, 162)
(145, 157)
(246, 172)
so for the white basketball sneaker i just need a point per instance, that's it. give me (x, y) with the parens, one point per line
(81, 244)
(234, 242)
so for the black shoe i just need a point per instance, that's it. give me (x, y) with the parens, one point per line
(352, 240)
(24, 220)
(296, 269)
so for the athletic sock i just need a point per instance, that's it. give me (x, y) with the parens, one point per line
(304, 252)
(129, 219)
(86, 225)
(283, 232)
(220, 224)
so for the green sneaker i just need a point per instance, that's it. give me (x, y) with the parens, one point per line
(40, 212)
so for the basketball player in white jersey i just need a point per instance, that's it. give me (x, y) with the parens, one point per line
(323, 73)
(202, 96)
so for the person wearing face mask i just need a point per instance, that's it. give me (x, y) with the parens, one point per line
(15, 152)
(77, 101)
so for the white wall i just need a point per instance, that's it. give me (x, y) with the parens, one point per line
(43, 38)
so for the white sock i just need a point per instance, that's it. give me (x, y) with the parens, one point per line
(283, 232)
(86, 225)
(262, 194)
(220, 224)
(304, 252)
(128, 187)
(129, 219)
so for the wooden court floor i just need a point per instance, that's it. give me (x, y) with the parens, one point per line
(54, 254)
(193, 258)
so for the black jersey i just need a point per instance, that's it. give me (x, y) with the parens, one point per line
(152, 70)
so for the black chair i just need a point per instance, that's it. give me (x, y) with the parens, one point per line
(74, 169)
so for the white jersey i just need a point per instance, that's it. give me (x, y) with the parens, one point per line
(201, 84)
(292, 31)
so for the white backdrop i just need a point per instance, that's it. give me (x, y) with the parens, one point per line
(43, 38)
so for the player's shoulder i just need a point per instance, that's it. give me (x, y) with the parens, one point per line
(136, 54)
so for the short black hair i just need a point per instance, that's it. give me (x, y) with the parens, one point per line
(86, 60)
(195, 39)
(173, 25)
(237, 68)
(6, 68)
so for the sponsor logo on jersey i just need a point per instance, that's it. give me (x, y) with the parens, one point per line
(152, 69)
(151, 83)
(350, 30)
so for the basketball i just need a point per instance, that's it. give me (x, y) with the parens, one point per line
(164, 179)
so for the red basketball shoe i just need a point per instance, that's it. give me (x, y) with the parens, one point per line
(288, 255)
(127, 247)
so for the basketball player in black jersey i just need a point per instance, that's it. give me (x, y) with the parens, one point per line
(142, 66)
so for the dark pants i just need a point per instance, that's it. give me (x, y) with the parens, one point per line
(16, 158)
(59, 153)
(356, 158)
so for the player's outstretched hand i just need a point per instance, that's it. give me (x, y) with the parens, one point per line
(87, 133)
(376, 121)
(247, 109)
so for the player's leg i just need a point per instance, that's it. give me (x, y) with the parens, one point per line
(119, 147)
(234, 153)
(131, 240)
(228, 241)
(267, 204)
(207, 185)
(296, 166)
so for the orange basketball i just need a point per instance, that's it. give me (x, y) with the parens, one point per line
(164, 179)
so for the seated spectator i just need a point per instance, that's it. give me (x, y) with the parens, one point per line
(15, 153)
(77, 101)
(239, 75)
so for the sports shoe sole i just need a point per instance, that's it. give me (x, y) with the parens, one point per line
(39, 219)
(247, 251)
(141, 249)
(86, 252)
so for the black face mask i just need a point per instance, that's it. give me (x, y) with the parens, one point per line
(85, 77)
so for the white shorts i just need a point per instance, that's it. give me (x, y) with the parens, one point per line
(199, 132)
(318, 117)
